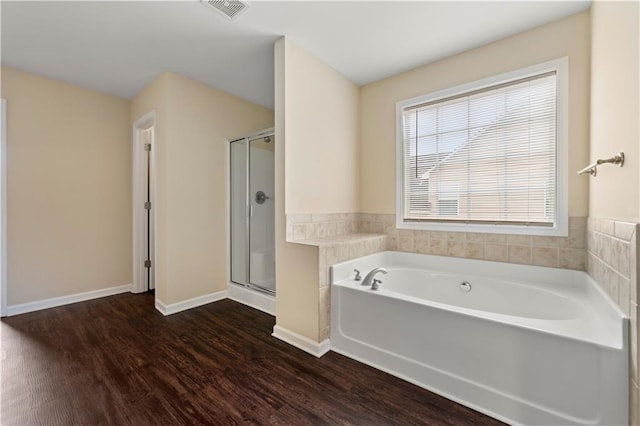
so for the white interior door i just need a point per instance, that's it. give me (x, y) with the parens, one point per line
(143, 204)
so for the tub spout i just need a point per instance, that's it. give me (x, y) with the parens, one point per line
(368, 280)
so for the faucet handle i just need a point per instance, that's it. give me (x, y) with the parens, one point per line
(376, 283)
(357, 277)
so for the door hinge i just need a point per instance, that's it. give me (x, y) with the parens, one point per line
(147, 263)
(147, 205)
(147, 147)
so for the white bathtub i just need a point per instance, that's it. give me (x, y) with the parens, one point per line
(527, 345)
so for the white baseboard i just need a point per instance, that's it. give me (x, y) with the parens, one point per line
(174, 308)
(301, 342)
(254, 299)
(38, 305)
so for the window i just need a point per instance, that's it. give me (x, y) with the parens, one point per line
(486, 156)
(448, 199)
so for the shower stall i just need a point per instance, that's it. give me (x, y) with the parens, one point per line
(252, 212)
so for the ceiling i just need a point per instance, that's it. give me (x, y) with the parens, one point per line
(119, 47)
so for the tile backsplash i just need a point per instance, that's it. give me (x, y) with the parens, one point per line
(611, 249)
(313, 226)
(612, 261)
(559, 252)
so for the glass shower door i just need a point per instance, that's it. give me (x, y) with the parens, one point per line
(262, 214)
(253, 213)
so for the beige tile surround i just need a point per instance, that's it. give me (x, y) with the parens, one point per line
(612, 261)
(337, 238)
(558, 252)
(301, 227)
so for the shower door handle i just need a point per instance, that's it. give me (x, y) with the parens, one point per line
(261, 197)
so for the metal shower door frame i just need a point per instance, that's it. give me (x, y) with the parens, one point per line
(248, 213)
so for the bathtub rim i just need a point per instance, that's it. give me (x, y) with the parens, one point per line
(612, 315)
(549, 289)
(544, 271)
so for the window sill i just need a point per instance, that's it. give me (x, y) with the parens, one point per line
(560, 230)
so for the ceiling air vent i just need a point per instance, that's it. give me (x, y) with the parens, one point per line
(229, 8)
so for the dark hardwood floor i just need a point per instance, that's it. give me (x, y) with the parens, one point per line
(118, 361)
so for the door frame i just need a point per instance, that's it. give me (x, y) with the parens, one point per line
(139, 175)
(3, 208)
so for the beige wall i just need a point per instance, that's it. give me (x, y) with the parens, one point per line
(69, 191)
(297, 301)
(200, 121)
(317, 121)
(317, 111)
(322, 116)
(567, 37)
(194, 123)
(615, 103)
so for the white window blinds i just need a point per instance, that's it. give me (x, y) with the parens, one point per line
(484, 156)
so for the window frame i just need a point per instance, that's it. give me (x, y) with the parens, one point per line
(561, 220)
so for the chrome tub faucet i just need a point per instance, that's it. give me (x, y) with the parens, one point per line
(369, 279)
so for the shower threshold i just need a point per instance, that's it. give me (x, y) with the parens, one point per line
(253, 296)
(264, 287)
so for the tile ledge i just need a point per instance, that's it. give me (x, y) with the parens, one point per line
(338, 239)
